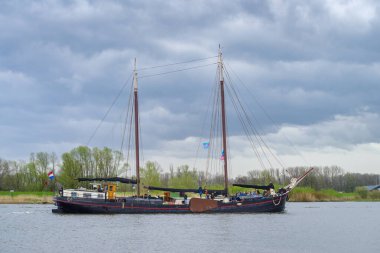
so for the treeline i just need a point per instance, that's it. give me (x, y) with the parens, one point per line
(27, 176)
(321, 178)
(79, 162)
(94, 162)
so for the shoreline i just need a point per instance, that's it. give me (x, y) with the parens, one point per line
(26, 199)
(48, 199)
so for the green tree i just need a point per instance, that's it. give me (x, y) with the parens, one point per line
(184, 178)
(150, 175)
(42, 162)
(85, 162)
(84, 157)
(71, 170)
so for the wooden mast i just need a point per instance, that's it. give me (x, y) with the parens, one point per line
(224, 131)
(136, 106)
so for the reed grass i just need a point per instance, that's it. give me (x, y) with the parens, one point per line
(17, 193)
(306, 194)
(26, 199)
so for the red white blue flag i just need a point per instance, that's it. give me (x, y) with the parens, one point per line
(51, 175)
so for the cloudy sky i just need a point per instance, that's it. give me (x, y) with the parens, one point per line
(313, 65)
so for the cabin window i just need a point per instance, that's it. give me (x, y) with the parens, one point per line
(86, 195)
(111, 188)
(73, 194)
(100, 196)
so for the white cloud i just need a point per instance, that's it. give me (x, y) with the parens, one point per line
(357, 15)
(16, 83)
(73, 12)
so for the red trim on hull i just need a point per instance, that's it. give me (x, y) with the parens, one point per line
(121, 207)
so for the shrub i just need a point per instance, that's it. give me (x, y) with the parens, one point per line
(374, 194)
(362, 192)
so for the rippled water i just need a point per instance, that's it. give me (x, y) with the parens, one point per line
(304, 227)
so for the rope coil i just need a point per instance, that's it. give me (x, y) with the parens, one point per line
(279, 201)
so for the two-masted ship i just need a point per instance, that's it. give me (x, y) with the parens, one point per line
(102, 198)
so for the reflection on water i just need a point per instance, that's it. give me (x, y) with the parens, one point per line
(303, 227)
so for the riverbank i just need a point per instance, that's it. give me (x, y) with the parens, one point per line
(26, 197)
(297, 195)
(305, 194)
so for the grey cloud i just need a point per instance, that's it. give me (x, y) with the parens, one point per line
(63, 63)
(342, 132)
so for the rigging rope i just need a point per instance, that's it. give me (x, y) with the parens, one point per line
(245, 128)
(177, 70)
(266, 113)
(203, 128)
(248, 123)
(109, 109)
(126, 122)
(177, 63)
(255, 132)
(214, 131)
(141, 144)
(211, 139)
(130, 135)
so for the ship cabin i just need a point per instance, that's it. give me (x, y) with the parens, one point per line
(106, 191)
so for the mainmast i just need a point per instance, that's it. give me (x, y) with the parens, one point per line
(224, 131)
(136, 106)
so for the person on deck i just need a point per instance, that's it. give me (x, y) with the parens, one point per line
(206, 193)
(185, 199)
(61, 191)
(200, 191)
(271, 189)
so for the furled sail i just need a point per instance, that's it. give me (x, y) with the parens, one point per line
(217, 192)
(109, 179)
(261, 187)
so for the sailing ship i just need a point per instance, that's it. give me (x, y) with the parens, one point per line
(102, 197)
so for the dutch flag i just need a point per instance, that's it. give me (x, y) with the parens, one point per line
(51, 175)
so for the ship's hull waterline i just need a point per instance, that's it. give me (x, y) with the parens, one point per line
(129, 206)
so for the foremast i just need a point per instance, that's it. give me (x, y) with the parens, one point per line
(224, 130)
(136, 107)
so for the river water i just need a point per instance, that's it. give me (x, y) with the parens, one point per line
(303, 227)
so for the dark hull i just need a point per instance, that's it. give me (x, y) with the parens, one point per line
(129, 206)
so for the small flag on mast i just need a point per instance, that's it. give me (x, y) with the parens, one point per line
(51, 175)
(222, 156)
(206, 144)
